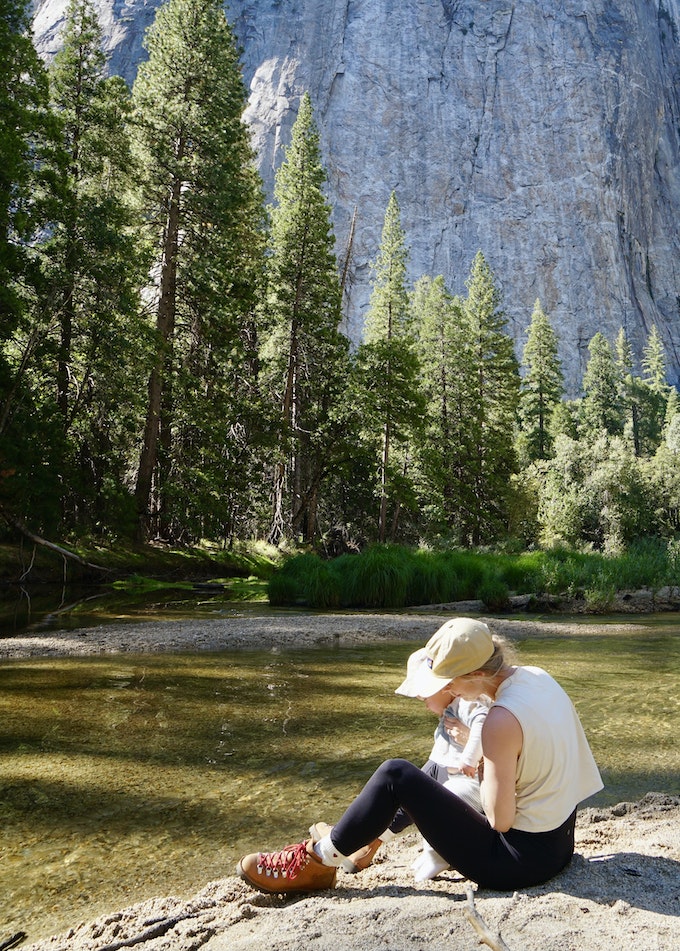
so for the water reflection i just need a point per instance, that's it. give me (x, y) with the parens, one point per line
(131, 776)
(48, 607)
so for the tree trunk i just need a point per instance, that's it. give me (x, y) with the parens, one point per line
(165, 327)
(382, 521)
(280, 521)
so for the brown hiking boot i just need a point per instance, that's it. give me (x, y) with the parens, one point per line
(357, 861)
(296, 868)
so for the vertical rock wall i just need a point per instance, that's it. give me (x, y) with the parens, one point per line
(545, 133)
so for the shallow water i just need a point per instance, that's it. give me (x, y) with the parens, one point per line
(132, 776)
(47, 607)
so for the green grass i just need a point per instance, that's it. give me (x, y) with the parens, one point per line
(394, 576)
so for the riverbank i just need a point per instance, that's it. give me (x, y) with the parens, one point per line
(267, 631)
(620, 890)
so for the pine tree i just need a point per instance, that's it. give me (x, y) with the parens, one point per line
(493, 377)
(23, 131)
(305, 357)
(27, 483)
(387, 373)
(654, 363)
(656, 390)
(79, 339)
(93, 270)
(541, 387)
(630, 390)
(671, 426)
(440, 343)
(201, 200)
(601, 404)
(643, 401)
(23, 101)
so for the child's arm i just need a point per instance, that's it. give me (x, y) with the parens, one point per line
(472, 751)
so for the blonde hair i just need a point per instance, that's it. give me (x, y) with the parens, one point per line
(504, 655)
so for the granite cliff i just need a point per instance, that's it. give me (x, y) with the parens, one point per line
(546, 134)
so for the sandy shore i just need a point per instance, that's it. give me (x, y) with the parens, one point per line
(621, 891)
(261, 632)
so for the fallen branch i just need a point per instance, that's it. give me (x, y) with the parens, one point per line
(13, 941)
(37, 540)
(156, 929)
(494, 941)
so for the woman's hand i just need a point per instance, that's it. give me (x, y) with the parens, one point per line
(456, 729)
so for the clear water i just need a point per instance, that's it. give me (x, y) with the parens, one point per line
(48, 607)
(132, 776)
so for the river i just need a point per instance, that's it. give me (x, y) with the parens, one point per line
(132, 775)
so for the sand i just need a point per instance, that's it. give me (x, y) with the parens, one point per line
(621, 891)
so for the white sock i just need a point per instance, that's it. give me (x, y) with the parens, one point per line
(428, 864)
(328, 854)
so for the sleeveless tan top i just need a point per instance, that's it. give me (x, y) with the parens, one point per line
(556, 769)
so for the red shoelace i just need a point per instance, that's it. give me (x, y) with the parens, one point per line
(286, 863)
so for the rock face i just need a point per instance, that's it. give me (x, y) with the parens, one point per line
(545, 134)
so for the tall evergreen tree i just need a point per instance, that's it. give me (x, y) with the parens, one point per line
(654, 363)
(643, 401)
(201, 200)
(440, 342)
(541, 387)
(387, 372)
(305, 357)
(23, 101)
(23, 130)
(494, 395)
(93, 270)
(656, 390)
(25, 134)
(601, 404)
(630, 390)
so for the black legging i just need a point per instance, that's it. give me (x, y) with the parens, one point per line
(402, 819)
(460, 834)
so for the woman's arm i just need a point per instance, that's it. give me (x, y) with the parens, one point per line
(501, 745)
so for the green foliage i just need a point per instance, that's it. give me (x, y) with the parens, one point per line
(441, 443)
(394, 576)
(601, 408)
(201, 202)
(304, 579)
(77, 350)
(495, 593)
(541, 387)
(493, 381)
(388, 314)
(305, 359)
(385, 383)
(425, 434)
(24, 127)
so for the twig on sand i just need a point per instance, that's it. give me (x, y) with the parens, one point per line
(156, 929)
(494, 941)
(13, 941)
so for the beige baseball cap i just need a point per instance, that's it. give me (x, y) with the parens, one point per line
(460, 646)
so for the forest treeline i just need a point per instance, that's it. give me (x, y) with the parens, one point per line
(172, 363)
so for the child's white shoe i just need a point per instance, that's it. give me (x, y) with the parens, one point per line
(428, 864)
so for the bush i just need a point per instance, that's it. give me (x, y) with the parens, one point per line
(393, 576)
(379, 577)
(304, 579)
(494, 593)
